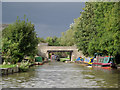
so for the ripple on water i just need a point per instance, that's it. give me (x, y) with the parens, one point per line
(6, 79)
(19, 81)
(23, 84)
(2, 83)
(60, 75)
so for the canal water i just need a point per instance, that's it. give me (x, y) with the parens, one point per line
(62, 75)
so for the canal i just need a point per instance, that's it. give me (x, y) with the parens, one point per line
(62, 75)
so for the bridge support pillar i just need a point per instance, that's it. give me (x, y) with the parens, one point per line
(47, 55)
(70, 56)
(74, 56)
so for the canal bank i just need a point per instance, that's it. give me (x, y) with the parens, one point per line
(19, 67)
(62, 75)
(6, 71)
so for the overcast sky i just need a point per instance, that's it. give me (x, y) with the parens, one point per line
(50, 18)
(0, 12)
(60, 0)
(44, 0)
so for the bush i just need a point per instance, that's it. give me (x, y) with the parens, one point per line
(19, 40)
(24, 66)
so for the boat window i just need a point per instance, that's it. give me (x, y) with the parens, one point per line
(106, 59)
(100, 60)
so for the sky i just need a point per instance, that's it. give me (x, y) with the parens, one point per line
(50, 18)
(60, 0)
(0, 13)
(44, 0)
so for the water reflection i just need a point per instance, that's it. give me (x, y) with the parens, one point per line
(62, 75)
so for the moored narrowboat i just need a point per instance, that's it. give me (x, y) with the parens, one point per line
(38, 60)
(104, 62)
(88, 61)
(79, 60)
(85, 62)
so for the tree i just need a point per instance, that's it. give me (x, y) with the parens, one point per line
(67, 38)
(85, 28)
(107, 28)
(19, 40)
(41, 40)
(98, 29)
(53, 41)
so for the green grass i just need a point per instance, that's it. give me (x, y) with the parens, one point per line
(64, 59)
(7, 66)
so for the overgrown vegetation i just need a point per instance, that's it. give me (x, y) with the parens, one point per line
(24, 66)
(19, 40)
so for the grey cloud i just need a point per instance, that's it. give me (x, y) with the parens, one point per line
(45, 0)
(50, 19)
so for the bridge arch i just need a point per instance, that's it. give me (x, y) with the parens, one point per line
(44, 50)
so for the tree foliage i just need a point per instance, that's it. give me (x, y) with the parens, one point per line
(85, 29)
(98, 28)
(67, 38)
(53, 41)
(107, 26)
(41, 40)
(19, 40)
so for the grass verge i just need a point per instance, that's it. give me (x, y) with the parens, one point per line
(64, 59)
(8, 66)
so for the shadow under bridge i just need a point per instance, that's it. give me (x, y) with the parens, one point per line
(53, 51)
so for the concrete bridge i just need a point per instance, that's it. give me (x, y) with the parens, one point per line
(44, 51)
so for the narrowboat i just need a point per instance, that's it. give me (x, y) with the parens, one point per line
(38, 60)
(105, 62)
(85, 61)
(79, 60)
(88, 61)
